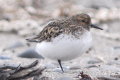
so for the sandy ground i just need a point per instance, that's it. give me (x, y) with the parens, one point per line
(20, 19)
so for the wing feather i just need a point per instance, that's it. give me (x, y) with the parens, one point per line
(50, 31)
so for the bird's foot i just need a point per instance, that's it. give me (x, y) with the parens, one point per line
(65, 68)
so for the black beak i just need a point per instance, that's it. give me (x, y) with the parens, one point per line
(94, 26)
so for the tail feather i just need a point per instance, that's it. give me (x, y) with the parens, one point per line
(32, 40)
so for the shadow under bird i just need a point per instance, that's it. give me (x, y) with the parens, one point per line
(65, 39)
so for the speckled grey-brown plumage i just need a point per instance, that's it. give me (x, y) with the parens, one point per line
(71, 25)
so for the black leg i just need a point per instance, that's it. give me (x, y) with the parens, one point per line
(59, 61)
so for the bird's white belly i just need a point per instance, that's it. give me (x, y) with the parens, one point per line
(65, 47)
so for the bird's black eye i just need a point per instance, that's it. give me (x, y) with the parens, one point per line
(83, 20)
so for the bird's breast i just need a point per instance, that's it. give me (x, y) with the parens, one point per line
(65, 47)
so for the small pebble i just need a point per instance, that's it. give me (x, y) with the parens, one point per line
(30, 53)
(5, 58)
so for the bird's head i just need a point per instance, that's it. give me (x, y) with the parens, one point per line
(84, 20)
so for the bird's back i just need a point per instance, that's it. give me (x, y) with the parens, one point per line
(55, 28)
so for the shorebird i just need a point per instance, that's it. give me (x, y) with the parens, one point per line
(65, 39)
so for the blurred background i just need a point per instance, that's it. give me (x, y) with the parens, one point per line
(21, 19)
